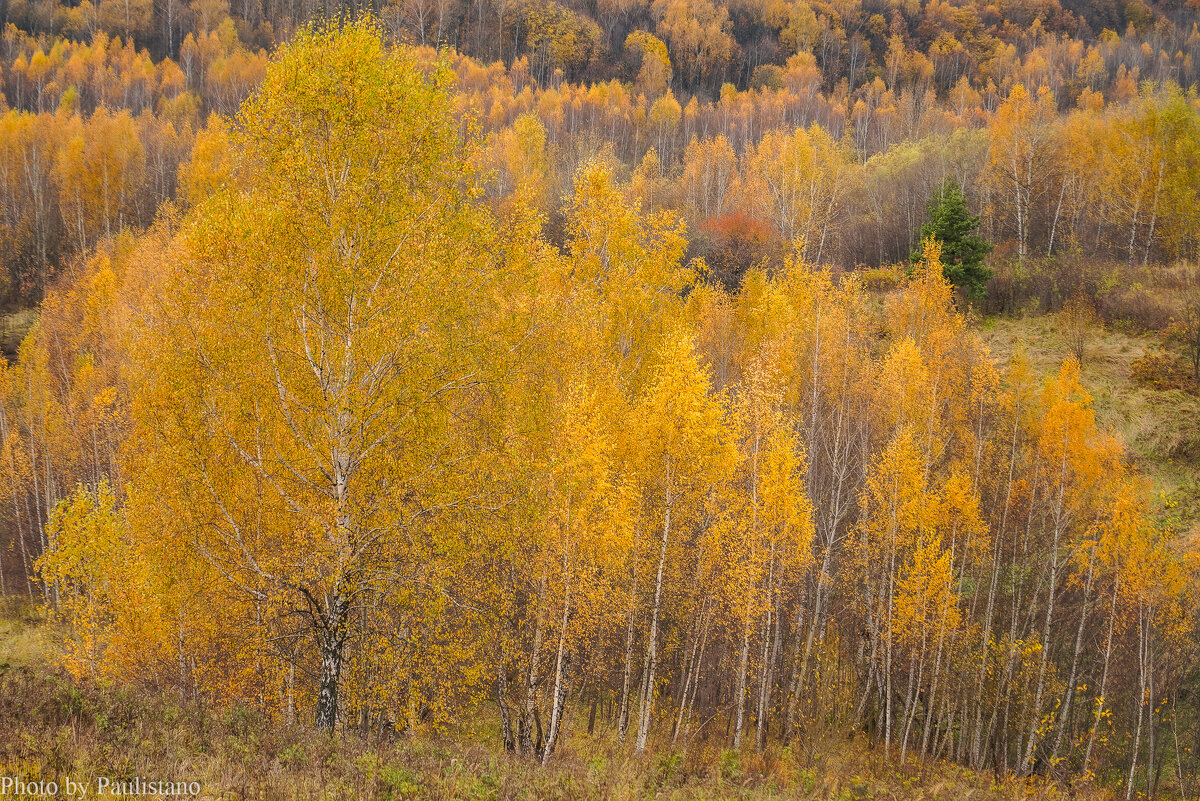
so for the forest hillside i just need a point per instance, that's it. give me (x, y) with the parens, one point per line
(397, 407)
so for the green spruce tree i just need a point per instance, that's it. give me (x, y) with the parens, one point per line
(954, 226)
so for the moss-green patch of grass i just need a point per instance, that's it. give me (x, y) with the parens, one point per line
(25, 638)
(13, 328)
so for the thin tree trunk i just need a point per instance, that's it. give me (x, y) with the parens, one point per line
(558, 668)
(767, 685)
(506, 729)
(743, 660)
(1112, 616)
(1069, 695)
(525, 743)
(1141, 701)
(623, 716)
(647, 711)
(1054, 225)
(1154, 212)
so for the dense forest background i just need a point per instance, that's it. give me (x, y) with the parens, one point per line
(586, 368)
(1061, 124)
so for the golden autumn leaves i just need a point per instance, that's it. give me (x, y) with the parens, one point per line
(381, 458)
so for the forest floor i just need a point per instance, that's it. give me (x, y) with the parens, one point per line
(1141, 391)
(52, 727)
